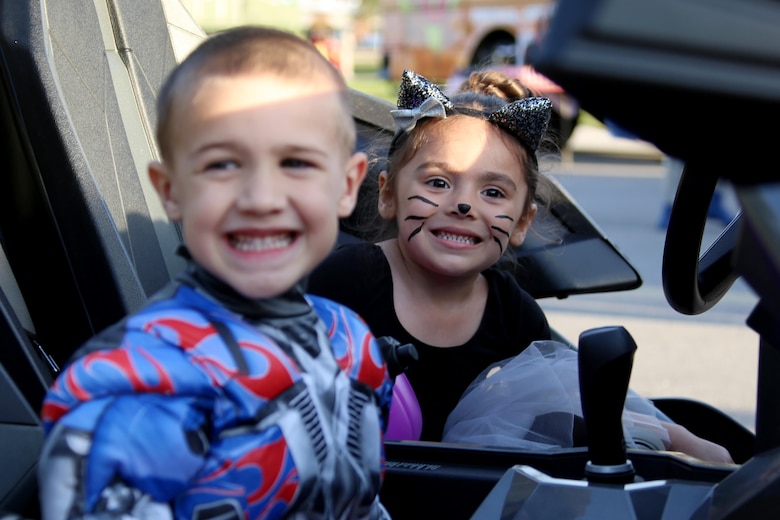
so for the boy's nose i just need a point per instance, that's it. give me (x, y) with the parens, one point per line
(464, 208)
(261, 191)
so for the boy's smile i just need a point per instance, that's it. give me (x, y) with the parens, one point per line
(252, 242)
(258, 177)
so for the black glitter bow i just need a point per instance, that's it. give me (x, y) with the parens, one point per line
(526, 119)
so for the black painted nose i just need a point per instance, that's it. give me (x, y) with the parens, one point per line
(464, 208)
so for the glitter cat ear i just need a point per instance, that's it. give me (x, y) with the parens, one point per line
(526, 119)
(415, 89)
(418, 98)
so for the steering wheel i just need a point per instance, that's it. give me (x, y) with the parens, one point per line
(694, 284)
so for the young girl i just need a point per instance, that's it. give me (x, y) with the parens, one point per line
(459, 190)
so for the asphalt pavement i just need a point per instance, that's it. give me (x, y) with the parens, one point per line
(712, 358)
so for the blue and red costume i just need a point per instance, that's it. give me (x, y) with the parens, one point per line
(205, 404)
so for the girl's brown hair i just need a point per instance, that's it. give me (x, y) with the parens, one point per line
(483, 92)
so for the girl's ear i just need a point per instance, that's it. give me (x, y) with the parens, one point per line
(356, 172)
(161, 180)
(386, 202)
(518, 235)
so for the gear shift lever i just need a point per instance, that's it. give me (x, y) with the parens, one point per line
(606, 356)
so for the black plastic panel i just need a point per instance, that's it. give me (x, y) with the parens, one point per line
(673, 71)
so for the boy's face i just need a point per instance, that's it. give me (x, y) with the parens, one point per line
(259, 175)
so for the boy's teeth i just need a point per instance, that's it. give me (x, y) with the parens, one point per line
(457, 238)
(249, 243)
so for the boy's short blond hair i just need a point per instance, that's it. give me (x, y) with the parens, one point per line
(248, 50)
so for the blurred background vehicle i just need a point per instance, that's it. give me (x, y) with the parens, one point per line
(438, 39)
(445, 40)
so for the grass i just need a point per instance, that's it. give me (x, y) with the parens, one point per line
(369, 81)
(375, 86)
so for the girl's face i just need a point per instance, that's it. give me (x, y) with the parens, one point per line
(460, 201)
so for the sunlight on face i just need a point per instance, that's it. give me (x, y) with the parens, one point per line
(259, 177)
(460, 199)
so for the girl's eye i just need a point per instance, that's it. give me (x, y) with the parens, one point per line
(437, 183)
(493, 193)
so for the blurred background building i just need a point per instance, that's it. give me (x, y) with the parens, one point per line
(338, 25)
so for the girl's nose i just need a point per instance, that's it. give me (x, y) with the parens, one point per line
(463, 209)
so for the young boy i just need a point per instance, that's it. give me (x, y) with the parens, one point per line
(232, 394)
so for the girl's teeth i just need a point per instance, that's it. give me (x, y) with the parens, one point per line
(457, 238)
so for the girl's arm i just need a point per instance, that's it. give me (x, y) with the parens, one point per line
(681, 439)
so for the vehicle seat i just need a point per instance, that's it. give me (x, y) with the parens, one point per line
(25, 373)
(83, 238)
(85, 234)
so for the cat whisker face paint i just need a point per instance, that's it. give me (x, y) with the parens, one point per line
(427, 201)
(497, 240)
(502, 231)
(414, 232)
(417, 217)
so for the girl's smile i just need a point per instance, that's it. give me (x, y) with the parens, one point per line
(458, 239)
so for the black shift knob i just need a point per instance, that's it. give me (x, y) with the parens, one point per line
(606, 356)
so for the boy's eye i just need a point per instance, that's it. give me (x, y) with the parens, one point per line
(493, 193)
(226, 164)
(437, 183)
(296, 163)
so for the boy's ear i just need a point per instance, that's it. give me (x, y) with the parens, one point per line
(161, 180)
(385, 204)
(357, 165)
(518, 235)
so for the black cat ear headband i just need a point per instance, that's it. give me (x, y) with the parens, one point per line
(418, 98)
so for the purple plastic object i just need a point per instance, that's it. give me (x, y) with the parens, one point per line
(405, 422)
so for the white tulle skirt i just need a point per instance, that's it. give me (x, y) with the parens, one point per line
(532, 401)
